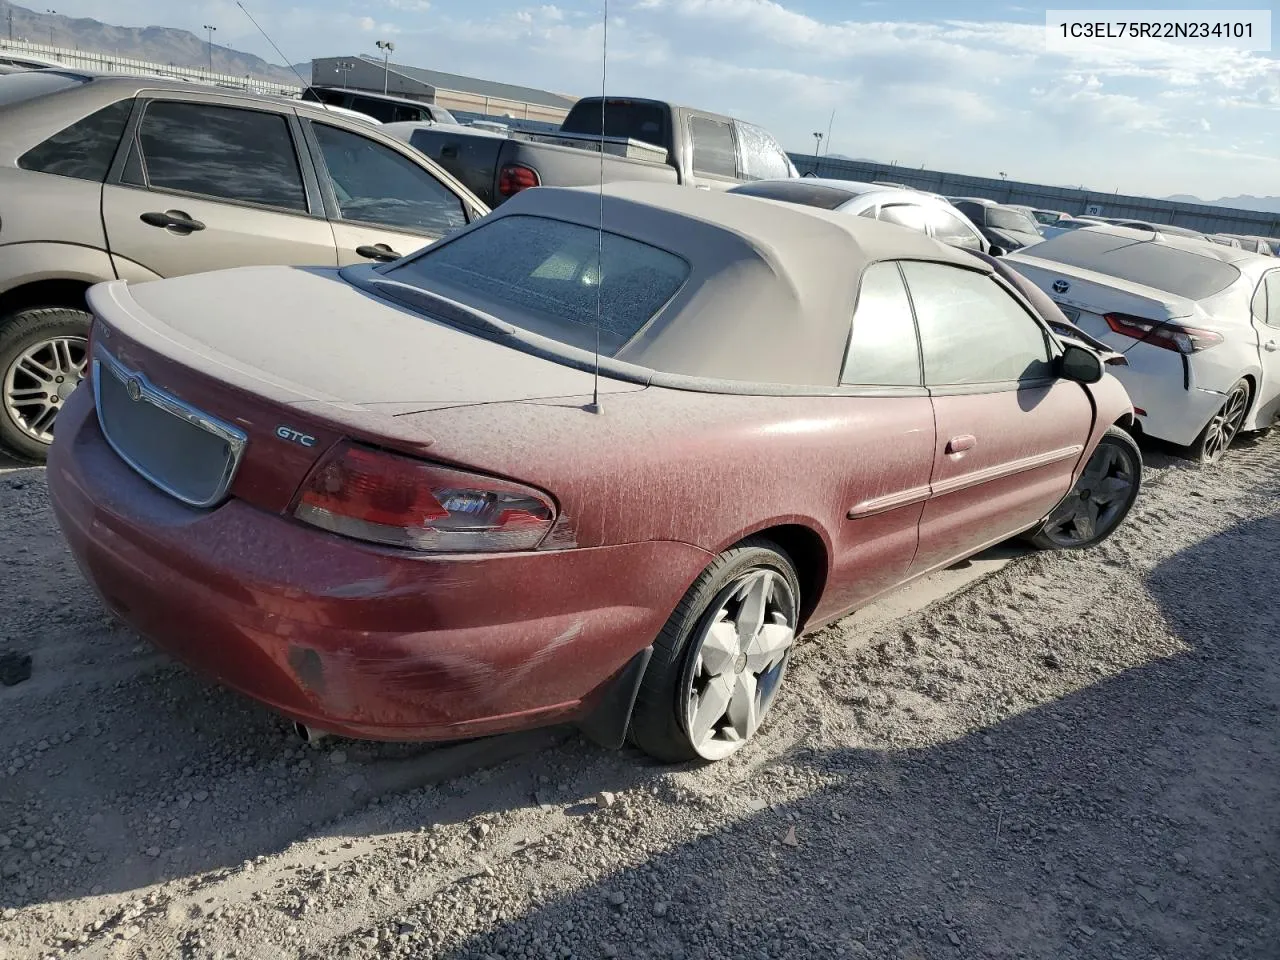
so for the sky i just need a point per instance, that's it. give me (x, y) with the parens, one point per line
(961, 85)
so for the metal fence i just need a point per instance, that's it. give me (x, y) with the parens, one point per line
(109, 63)
(1195, 216)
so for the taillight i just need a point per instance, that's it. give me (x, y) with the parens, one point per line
(514, 177)
(387, 498)
(1167, 336)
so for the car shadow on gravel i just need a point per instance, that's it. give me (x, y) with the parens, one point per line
(1134, 818)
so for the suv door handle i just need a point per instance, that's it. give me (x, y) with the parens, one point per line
(378, 251)
(961, 443)
(1271, 345)
(174, 220)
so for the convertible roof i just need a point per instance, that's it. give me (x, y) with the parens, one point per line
(772, 285)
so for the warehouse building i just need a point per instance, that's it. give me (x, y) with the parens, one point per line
(455, 93)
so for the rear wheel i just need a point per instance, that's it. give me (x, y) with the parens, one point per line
(1223, 426)
(720, 660)
(43, 358)
(1100, 499)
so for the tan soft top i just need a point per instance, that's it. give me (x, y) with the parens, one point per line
(772, 285)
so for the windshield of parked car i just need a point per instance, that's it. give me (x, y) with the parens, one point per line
(17, 87)
(547, 271)
(798, 191)
(1007, 218)
(631, 119)
(1183, 273)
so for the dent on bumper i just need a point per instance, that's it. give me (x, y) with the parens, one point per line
(353, 639)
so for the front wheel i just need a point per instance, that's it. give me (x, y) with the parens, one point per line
(43, 358)
(721, 658)
(1222, 428)
(1100, 499)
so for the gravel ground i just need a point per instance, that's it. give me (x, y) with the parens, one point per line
(1076, 757)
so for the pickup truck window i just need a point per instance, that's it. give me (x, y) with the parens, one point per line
(548, 269)
(632, 119)
(713, 150)
(762, 158)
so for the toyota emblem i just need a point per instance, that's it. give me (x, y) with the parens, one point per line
(1061, 286)
(134, 389)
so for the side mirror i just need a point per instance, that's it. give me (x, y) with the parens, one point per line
(996, 250)
(1079, 364)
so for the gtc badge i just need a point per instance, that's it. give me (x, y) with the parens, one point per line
(295, 436)
(134, 389)
(1061, 286)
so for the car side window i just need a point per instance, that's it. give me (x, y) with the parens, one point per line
(713, 150)
(972, 330)
(762, 158)
(375, 184)
(883, 350)
(83, 150)
(1272, 283)
(227, 153)
(974, 211)
(907, 215)
(950, 229)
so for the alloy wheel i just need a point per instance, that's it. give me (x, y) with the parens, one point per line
(39, 381)
(1099, 499)
(739, 662)
(1224, 426)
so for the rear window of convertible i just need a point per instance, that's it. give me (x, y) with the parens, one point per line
(554, 273)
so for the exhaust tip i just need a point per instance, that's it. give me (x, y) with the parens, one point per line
(308, 734)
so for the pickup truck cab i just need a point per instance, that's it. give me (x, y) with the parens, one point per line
(641, 140)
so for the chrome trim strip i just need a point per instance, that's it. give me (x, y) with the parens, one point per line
(891, 501)
(905, 498)
(235, 438)
(1002, 470)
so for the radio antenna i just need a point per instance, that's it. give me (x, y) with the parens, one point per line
(604, 81)
(288, 63)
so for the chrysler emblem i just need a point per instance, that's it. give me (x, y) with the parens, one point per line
(1061, 286)
(134, 389)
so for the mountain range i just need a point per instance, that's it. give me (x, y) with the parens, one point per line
(179, 48)
(1243, 202)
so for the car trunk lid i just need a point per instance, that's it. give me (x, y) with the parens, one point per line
(1086, 296)
(291, 361)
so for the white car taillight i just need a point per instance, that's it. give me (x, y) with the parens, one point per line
(387, 498)
(1167, 336)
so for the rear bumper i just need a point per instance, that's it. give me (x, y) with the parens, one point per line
(1155, 381)
(353, 639)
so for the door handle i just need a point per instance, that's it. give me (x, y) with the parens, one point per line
(378, 251)
(1271, 345)
(961, 443)
(174, 220)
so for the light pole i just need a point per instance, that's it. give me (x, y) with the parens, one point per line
(211, 30)
(344, 67)
(817, 147)
(387, 48)
(52, 13)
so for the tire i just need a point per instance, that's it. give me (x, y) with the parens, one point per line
(1223, 427)
(1100, 499)
(692, 664)
(27, 418)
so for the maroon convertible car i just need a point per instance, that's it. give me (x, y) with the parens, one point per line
(382, 500)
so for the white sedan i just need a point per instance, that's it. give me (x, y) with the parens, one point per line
(926, 213)
(1198, 323)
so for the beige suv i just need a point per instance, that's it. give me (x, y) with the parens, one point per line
(105, 177)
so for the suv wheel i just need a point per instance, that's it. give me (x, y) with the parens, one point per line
(43, 357)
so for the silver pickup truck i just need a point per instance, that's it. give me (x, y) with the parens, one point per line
(641, 140)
